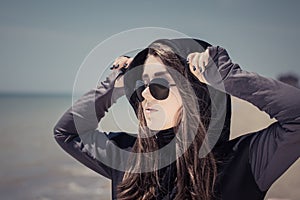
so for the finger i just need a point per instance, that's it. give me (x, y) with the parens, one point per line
(115, 64)
(194, 65)
(204, 60)
(189, 60)
(201, 62)
(190, 57)
(206, 56)
(129, 60)
(195, 61)
(122, 62)
(119, 62)
(125, 62)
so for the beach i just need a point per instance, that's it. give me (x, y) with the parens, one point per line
(34, 167)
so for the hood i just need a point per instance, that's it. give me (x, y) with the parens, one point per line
(182, 47)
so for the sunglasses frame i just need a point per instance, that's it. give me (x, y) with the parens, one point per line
(154, 84)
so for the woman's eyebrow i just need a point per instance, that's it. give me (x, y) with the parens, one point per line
(160, 73)
(156, 74)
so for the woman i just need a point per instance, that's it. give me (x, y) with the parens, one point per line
(180, 106)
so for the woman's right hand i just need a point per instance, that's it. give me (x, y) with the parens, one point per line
(120, 63)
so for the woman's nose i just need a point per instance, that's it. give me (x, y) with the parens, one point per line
(147, 94)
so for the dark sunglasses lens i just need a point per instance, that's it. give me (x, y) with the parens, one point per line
(159, 89)
(159, 92)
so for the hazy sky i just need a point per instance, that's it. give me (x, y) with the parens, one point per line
(43, 43)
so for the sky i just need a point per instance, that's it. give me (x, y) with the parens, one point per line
(44, 43)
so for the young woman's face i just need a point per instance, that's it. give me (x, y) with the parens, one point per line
(159, 114)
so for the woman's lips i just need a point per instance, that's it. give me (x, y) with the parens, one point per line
(149, 110)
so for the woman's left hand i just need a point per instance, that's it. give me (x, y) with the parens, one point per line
(197, 63)
(120, 63)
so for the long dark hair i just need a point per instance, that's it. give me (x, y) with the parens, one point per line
(194, 176)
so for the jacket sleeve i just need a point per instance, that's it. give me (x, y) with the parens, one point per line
(274, 149)
(76, 131)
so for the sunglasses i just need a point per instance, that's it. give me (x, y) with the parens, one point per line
(159, 88)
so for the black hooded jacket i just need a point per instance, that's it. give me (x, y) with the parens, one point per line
(247, 165)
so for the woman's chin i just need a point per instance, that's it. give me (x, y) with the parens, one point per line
(157, 124)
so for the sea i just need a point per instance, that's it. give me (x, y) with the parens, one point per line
(34, 167)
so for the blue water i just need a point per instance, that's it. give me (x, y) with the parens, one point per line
(32, 165)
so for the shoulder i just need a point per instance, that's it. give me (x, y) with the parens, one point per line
(234, 170)
(235, 146)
